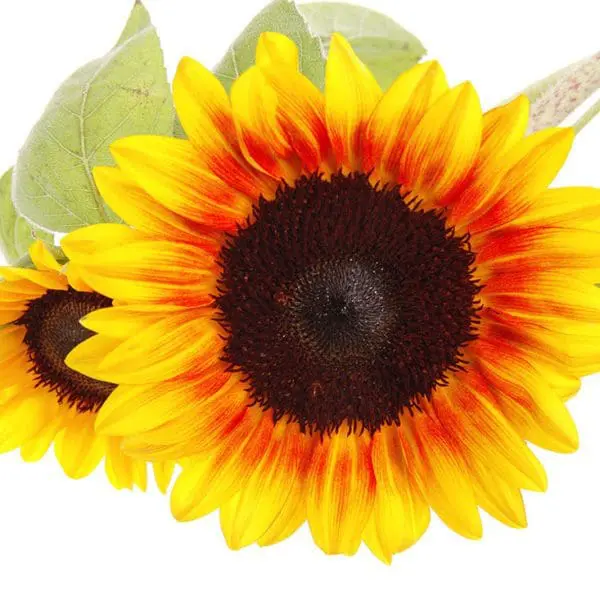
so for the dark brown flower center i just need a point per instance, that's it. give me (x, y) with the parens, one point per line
(52, 331)
(345, 302)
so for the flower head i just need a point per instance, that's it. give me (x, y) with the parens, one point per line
(348, 308)
(42, 400)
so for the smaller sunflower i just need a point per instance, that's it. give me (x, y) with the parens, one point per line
(41, 399)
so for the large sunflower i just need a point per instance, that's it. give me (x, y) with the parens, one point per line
(347, 308)
(41, 399)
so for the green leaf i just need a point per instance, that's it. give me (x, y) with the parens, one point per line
(281, 16)
(123, 93)
(535, 90)
(139, 19)
(178, 130)
(556, 97)
(383, 45)
(16, 233)
(587, 117)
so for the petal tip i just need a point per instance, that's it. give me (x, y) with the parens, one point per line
(179, 510)
(467, 89)
(568, 135)
(468, 97)
(273, 47)
(522, 101)
(186, 63)
(104, 176)
(433, 65)
(339, 43)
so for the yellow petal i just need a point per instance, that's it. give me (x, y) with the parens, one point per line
(119, 468)
(498, 498)
(9, 315)
(121, 322)
(577, 207)
(503, 127)
(485, 434)
(22, 419)
(263, 142)
(77, 448)
(401, 515)
(200, 429)
(16, 377)
(177, 345)
(81, 243)
(163, 473)
(169, 171)
(546, 297)
(139, 209)
(76, 279)
(11, 341)
(300, 117)
(341, 492)
(444, 144)
(533, 165)
(36, 448)
(247, 516)
(290, 518)
(42, 257)
(441, 473)
(20, 291)
(46, 279)
(373, 541)
(152, 271)
(351, 94)
(207, 483)
(140, 474)
(547, 345)
(532, 407)
(205, 113)
(203, 108)
(276, 48)
(133, 409)
(86, 356)
(399, 111)
(533, 250)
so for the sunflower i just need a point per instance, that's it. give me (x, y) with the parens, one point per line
(41, 399)
(348, 308)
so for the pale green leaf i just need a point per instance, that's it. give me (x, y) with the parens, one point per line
(24, 262)
(178, 130)
(124, 93)
(587, 117)
(383, 45)
(559, 95)
(281, 16)
(16, 233)
(535, 90)
(139, 19)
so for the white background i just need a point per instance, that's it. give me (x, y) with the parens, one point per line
(65, 539)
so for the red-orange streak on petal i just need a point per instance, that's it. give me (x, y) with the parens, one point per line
(516, 333)
(261, 152)
(255, 439)
(252, 185)
(310, 155)
(504, 353)
(507, 243)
